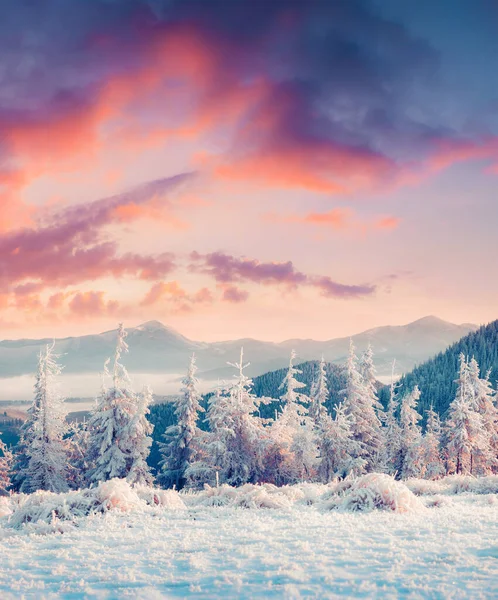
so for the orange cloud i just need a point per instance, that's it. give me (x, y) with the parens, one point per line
(387, 223)
(171, 291)
(92, 304)
(339, 219)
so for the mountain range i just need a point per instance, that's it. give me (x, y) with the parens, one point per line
(156, 348)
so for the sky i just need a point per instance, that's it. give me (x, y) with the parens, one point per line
(266, 169)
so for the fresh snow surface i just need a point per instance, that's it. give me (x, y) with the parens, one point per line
(372, 538)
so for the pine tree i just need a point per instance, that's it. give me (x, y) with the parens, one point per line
(411, 434)
(139, 433)
(178, 449)
(485, 458)
(209, 447)
(392, 451)
(5, 466)
(464, 426)
(118, 432)
(360, 404)
(77, 446)
(293, 431)
(236, 443)
(45, 446)
(430, 453)
(337, 447)
(319, 394)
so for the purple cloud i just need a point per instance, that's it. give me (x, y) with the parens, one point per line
(226, 269)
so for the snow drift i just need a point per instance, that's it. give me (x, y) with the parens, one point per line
(376, 491)
(112, 495)
(372, 492)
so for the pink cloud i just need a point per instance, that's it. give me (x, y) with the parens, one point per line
(172, 291)
(226, 269)
(92, 304)
(234, 295)
(338, 219)
(67, 247)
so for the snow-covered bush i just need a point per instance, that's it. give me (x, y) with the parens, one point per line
(112, 495)
(377, 491)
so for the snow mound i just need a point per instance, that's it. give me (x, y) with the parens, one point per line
(170, 499)
(454, 484)
(377, 491)
(264, 495)
(112, 495)
(5, 506)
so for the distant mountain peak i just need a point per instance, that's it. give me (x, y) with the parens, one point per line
(154, 326)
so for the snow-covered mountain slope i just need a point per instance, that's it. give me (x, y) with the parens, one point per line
(156, 348)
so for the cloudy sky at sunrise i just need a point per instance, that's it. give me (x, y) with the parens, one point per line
(272, 169)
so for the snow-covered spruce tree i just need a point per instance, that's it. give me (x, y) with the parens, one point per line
(77, 444)
(366, 368)
(485, 458)
(5, 466)
(20, 462)
(464, 427)
(45, 447)
(178, 448)
(430, 453)
(293, 433)
(319, 394)
(392, 450)
(209, 446)
(140, 432)
(360, 404)
(337, 447)
(118, 431)
(235, 445)
(411, 435)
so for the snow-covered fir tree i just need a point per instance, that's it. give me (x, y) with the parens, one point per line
(464, 428)
(366, 368)
(5, 466)
(235, 445)
(77, 445)
(430, 448)
(485, 458)
(339, 452)
(139, 432)
(411, 434)
(392, 450)
(319, 393)
(360, 404)
(178, 449)
(47, 467)
(293, 433)
(118, 431)
(209, 446)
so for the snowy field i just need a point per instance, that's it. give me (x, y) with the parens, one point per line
(262, 542)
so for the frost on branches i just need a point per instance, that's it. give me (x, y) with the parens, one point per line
(294, 453)
(234, 446)
(392, 454)
(43, 437)
(319, 394)
(178, 449)
(5, 466)
(485, 456)
(339, 452)
(360, 405)
(411, 435)
(118, 430)
(430, 448)
(467, 441)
